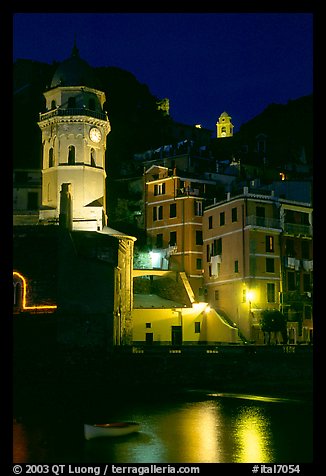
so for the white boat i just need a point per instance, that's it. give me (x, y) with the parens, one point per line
(120, 428)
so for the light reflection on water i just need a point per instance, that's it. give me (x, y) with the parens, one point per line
(211, 429)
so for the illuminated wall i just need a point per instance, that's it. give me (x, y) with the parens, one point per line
(199, 324)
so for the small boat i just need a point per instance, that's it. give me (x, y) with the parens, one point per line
(120, 428)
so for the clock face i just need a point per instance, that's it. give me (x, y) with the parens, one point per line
(95, 134)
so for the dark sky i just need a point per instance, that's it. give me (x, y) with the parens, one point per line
(205, 63)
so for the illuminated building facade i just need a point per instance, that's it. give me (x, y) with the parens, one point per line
(74, 129)
(174, 208)
(258, 255)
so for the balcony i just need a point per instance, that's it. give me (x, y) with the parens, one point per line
(73, 112)
(253, 220)
(296, 229)
(188, 191)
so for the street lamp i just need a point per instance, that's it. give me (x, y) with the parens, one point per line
(250, 297)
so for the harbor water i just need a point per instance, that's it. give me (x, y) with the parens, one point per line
(201, 426)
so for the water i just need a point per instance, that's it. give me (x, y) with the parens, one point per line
(197, 427)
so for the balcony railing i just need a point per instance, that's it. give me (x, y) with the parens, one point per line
(83, 111)
(295, 229)
(188, 191)
(254, 220)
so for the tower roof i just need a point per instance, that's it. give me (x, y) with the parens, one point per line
(74, 71)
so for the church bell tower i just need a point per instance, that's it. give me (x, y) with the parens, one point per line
(74, 130)
(224, 127)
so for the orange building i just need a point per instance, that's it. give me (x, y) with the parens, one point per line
(174, 209)
(245, 262)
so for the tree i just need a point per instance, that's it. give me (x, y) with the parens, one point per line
(273, 320)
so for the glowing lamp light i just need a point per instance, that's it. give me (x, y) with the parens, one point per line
(207, 309)
(250, 295)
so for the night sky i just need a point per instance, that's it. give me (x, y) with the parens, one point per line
(205, 63)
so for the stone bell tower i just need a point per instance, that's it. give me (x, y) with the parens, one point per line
(74, 130)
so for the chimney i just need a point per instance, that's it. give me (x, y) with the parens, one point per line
(65, 217)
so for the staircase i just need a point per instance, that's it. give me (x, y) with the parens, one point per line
(228, 321)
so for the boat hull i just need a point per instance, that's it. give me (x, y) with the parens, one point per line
(101, 430)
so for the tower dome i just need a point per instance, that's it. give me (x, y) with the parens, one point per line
(74, 71)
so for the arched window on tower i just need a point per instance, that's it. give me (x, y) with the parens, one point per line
(93, 162)
(71, 155)
(51, 163)
(91, 104)
(53, 104)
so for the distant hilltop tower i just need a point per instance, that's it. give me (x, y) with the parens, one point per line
(224, 127)
(163, 105)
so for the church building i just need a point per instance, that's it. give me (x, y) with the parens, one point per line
(77, 265)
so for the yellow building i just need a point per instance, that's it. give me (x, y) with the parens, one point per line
(160, 321)
(243, 262)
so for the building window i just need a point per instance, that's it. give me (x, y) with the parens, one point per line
(51, 163)
(198, 208)
(289, 248)
(307, 312)
(222, 218)
(236, 266)
(216, 294)
(53, 104)
(197, 327)
(269, 240)
(93, 163)
(291, 281)
(71, 155)
(270, 265)
(210, 222)
(217, 247)
(199, 263)
(159, 240)
(173, 238)
(208, 255)
(260, 214)
(199, 237)
(306, 282)
(305, 249)
(234, 212)
(158, 213)
(159, 188)
(173, 210)
(244, 295)
(270, 292)
(148, 325)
